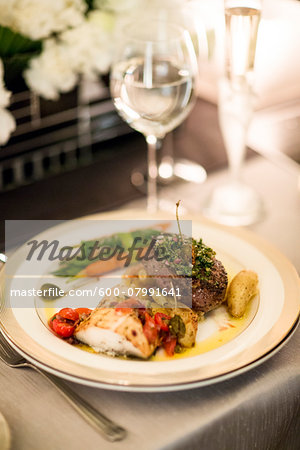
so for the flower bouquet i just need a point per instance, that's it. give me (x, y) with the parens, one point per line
(50, 44)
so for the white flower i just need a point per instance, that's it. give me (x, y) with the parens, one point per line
(4, 96)
(4, 93)
(116, 5)
(101, 19)
(7, 121)
(51, 72)
(40, 18)
(90, 45)
(85, 50)
(6, 16)
(7, 125)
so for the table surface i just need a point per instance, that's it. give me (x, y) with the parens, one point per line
(259, 409)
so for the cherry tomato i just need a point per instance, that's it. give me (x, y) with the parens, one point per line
(160, 320)
(63, 329)
(169, 345)
(83, 312)
(51, 320)
(69, 314)
(149, 318)
(150, 329)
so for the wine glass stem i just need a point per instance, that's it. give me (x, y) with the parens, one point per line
(152, 143)
(234, 127)
(236, 163)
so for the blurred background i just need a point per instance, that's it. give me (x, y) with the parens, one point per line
(65, 152)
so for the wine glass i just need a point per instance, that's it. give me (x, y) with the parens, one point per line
(152, 84)
(235, 202)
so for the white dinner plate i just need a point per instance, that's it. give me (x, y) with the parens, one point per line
(270, 318)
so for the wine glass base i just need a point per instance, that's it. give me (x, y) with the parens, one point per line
(184, 169)
(234, 204)
(168, 172)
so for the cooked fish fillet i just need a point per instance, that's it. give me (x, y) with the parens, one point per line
(115, 332)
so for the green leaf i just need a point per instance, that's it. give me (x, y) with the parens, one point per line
(12, 43)
(16, 51)
(90, 4)
(15, 65)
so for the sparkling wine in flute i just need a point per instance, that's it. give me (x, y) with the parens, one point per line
(241, 35)
(235, 202)
(152, 101)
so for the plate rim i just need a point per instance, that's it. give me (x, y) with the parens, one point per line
(159, 388)
(288, 318)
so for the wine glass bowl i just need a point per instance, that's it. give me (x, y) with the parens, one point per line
(152, 84)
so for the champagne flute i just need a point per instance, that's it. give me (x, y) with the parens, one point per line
(235, 202)
(152, 84)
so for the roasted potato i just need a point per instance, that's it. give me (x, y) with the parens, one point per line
(242, 289)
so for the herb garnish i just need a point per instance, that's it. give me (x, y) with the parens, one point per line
(177, 326)
(203, 260)
(177, 253)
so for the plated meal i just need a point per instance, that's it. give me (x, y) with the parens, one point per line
(160, 302)
(225, 304)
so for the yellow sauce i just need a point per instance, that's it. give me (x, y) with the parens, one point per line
(85, 347)
(232, 327)
(49, 312)
(220, 337)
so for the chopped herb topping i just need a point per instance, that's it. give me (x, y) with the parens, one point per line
(203, 260)
(176, 253)
(186, 257)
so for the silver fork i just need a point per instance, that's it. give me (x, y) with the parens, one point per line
(110, 430)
